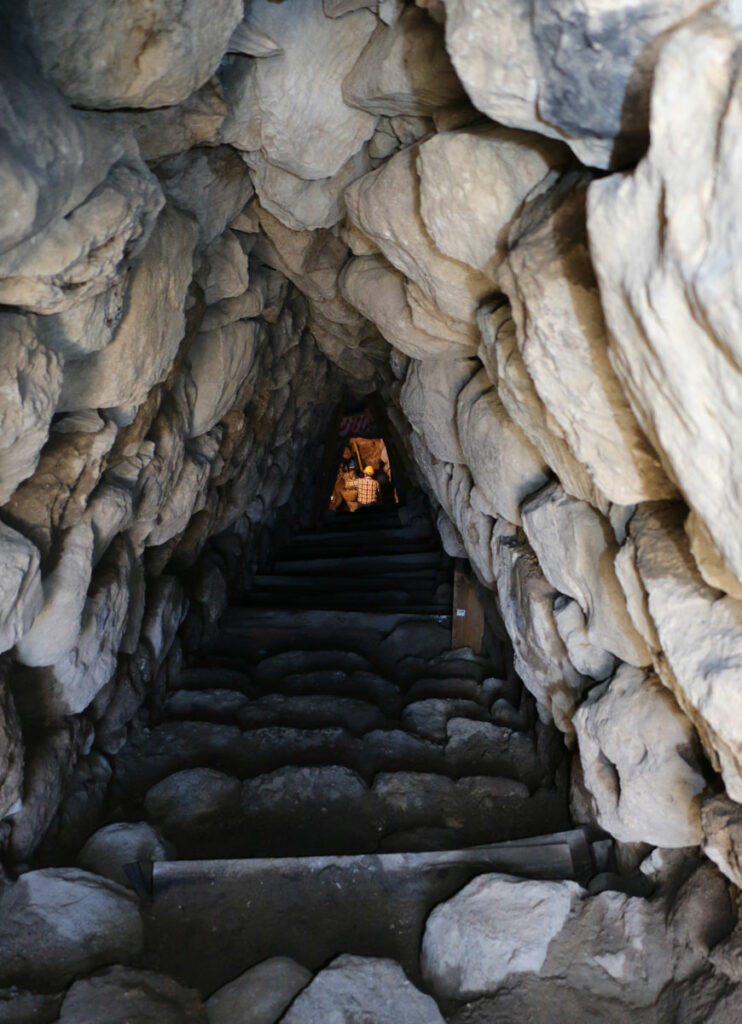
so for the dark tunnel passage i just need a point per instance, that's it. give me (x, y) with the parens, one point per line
(370, 601)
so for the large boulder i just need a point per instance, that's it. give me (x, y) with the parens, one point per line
(21, 594)
(223, 366)
(500, 168)
(53, 157)
(291, 105)
(504, 464)
(404, 69)
(638, 761)
(526, 602)
(722, 836)
(352, 989)
(576, 548)
(260, 994)
(109, 849)
(385, 205)
(69, 469)
(122, 995)
(68, 685)
(30, 383)
(129, 55)
(192, 800)
(700, 632)
(80, 254)
(301, 204)
(60, 922)
(546, 942)
(582, 74)
(506, 367)
(562, 338)
(150, 331)
(213, 185)
(196, 121)
(428, 400)
(664, 242)
(380, 293)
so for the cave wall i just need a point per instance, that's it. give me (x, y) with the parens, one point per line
(495, 215)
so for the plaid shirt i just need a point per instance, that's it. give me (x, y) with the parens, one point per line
(368, 489)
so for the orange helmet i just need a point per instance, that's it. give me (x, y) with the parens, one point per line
(369, 470)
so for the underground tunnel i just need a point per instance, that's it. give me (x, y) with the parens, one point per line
(370, 485)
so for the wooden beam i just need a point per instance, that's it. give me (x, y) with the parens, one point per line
(468, 614)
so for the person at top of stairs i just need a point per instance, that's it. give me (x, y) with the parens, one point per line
(369, 489)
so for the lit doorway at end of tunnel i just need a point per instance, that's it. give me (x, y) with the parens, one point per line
(364, 476)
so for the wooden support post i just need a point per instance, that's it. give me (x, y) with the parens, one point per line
(468, 614)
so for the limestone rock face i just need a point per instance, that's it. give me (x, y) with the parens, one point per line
(122, 994)
(700, 629)
(403, 69)
(377, 290)
(21, 594)
(261, 994)
(428, 399)
(128, 56)
(576, 548)
(499, 167)
(213, 185)
(80, 254)
(583, 76)
(11, 759)
(357, 988)
(301, 204)
(562, 338)
(503, 463)
(637, 751)
(196, 121)
(220, 363)
(227, 275)
(304, 126)
(385, 206)
(505, 366)
(80, 921)
(533, 944)
(151, 330)
(495, 929)
(722, 835)
(31, 379)
(57, 156)
(663, 241)
(69, 685)
(527, 605)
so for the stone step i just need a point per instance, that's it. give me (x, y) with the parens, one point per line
(384, 637)
(323, 701)
(351, 600)
(272, 669)
(459, 687)
(205, 677)
(333, 566)
(372, 519)
(365, 545)
(208, 921)
(392, 534)
(471, 748)
(426, 583)
(300, 811)
(361, 684)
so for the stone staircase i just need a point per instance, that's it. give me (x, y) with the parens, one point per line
(328, 770)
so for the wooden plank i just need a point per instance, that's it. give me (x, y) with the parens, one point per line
(468, 613)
